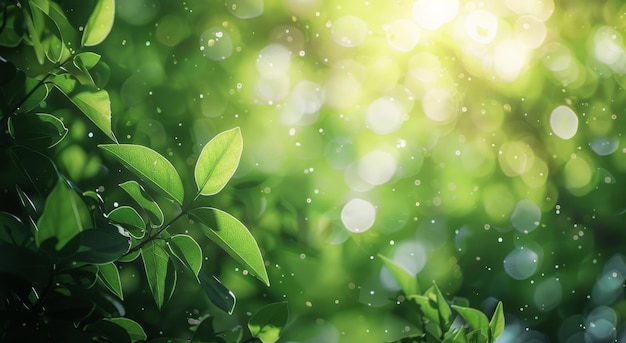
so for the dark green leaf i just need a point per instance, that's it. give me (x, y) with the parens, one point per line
(64, 216)
(110, 277)
(39, 93)
(136, 191)
(105, 244)
(60, 304)
(168, 340)
(219, 295)
(31, 266)
(11, 36)
(100, 23)
(408, 283)
(268, 323)
(218, 161)
(474, 318)
(109, 331)
(134, 330)
(37, 130)
(130, 220)
(187, 250)
(13, 230)
(149, 165)
(206, 333)
(29, 208)
(496, 324)
(161, 277)
(232, 236)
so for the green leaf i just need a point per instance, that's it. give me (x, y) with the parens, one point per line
(110, 277)
(37, 130)
(130, 257)
(13, 230)
(267, 324)
(109, 331)
(39, 91)
(218, 161)
(456, 337)
(96, 105)
(427, 306)
(219, 295)
(476, 336)
(105, 244)
(136, 191)
(83, 62)
(445, 315)
(187, 250)
(496, 324)
(64, 216)
(13, 31)
(100, 23)
(161, 277)
(134, 330)
(206, 333)
(408, 283)
(232, 236)
(34, 26)
(168, 340)
(36, 169)
(474, 318)
(149, 165)
(130, 220)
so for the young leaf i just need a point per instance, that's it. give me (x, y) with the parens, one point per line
(38, 130)
(64, 216)
(187, 250)
(408, 283)
(100, 23)
(134, 330)
(144, 200)
(268, 323)
(232, 236)
(496, 324)
(158, 273)
(219, 295)
(110, 277)
(218, 161)
(474, 318)
(129, 219)
(149, 165)
(445, 315)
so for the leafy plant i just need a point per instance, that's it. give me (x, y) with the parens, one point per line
(435, 318)
(59, 248)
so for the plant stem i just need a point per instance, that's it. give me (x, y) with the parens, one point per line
(154, 235)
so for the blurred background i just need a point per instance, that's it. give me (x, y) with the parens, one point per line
(476, 143)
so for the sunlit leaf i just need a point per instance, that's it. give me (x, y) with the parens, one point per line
(474, 318)
(161, 278)
(35, 30)
(100, 23)
(408, 283)
(129, 219)
(268, 323)
(232, 236)
(134, 330)
(445, 314)
(457, 337)
(82, 63)
(136, 191)
(187, 250)
(496, 324)
(96, 105)
(218, 161)
(219, 295)
(37, 130)
(110, 277)
(427, 307)
(64, 216)
(149, 165)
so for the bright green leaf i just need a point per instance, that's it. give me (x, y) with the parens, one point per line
(445, 314)
(64, 216)
(187, 250)
(474, 318)
(427, 307)
(232, 236)
(149, 165)
(100, 23)
(37, 130)
(219, 295)
(496, 324)
(218, 161)
(408, 283)
(268, 323)
(96, 105)
(136, 191)
(34, 33)
(129, 219)
(161, 278)
(135, 331)
(82, 63)
(110, 277)
(456, 337)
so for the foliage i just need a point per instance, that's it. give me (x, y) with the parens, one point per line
(61, 261)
